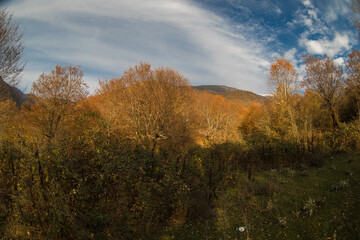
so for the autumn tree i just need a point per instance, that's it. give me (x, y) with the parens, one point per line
(46, 119)
(11, 66)
(217, 118)
(11, 49)
(353, 78)
(150, 106)
(325, 78)
(250, 124)
(356, 13)
(54, 95)
(282, 80)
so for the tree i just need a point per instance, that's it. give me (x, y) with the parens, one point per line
(45, 120)
(282, 80)
(325, 78)
(8, 114)
(217, 118)
(250, 124)
(150, 106)
(11, 49)
(353, 78)
(356, 13)
(55, 94)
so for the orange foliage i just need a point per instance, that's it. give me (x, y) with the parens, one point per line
(218, 118)
(252, 118)
(149, 107)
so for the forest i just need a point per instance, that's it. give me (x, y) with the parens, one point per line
(147, 156)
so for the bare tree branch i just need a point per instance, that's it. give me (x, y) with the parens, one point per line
(11, 50)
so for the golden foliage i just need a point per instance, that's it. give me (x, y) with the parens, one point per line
(55, 95)
(218, 119)
(150, 107)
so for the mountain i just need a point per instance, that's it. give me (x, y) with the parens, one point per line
(12, 93)
(216, 89)
(246, 98)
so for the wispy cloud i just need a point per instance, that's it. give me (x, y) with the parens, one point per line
(336, 10)
(260, 5)
(105, 37)
(308, 17)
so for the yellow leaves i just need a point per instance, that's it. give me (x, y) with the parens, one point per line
(250, 123)
(281, 66)
(218, 103)
(282, 79)
(8, 120)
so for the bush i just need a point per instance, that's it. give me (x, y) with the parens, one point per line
(346, 138)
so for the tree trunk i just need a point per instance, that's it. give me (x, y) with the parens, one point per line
(334, 117)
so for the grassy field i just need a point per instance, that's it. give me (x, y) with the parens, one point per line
(307, 203)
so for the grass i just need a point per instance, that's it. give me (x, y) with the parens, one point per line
(308, 203)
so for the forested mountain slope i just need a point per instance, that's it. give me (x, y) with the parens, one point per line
(12, 93)
(246, 98)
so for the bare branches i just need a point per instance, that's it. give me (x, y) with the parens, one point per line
(325, 78)
(11, 49)
(356, 13)
(55, 94)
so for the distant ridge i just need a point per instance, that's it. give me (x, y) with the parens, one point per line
(12, 93)
(233, 94)
(216, 89)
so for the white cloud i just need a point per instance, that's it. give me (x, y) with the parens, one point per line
(339, 61)
(313, 14)
(277, 10)
(327, 47)
(306, 3)
(105, 37)
(308, 22)
(290, 55)
(319, 36)
(314, 47)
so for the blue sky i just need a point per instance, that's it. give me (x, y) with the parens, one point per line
(229, 42)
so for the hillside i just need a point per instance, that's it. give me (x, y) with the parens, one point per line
(246, 98)
(216, 89)
(10, 92)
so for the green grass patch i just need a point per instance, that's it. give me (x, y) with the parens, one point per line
(307, 203)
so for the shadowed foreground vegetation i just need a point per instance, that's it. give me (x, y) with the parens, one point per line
(305, 203)
(92, 190)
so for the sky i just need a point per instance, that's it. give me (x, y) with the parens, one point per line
(212, 42)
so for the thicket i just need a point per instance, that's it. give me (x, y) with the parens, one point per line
(148, 155)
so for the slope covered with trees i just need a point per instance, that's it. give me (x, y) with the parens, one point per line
(245, 98)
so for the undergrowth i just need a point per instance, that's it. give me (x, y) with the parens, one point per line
(306, 203)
